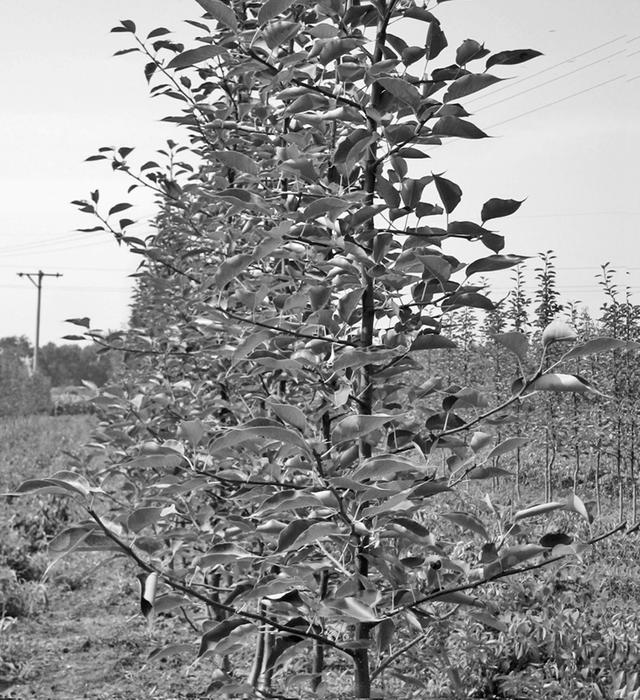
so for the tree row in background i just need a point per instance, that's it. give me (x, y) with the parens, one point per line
(587, 439)
(58, 383)
(21, 391)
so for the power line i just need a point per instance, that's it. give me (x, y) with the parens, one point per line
(78, 288)
(513, 83)
(38, 244)
(552, 80)
(42, 241)
(36, 247)
(562, 99)
(555, 102)
(579, 213)
(599, 267)
(544, 70)
(54, 248)
(80, 268)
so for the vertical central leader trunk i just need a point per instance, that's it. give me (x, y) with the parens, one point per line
(362, 676)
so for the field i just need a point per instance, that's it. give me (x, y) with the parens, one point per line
(78, 635)
(568, 633)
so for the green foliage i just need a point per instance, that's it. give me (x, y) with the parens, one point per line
(16, 346)
(19, 599)
(21, 393)
(271, 454)
(559, 639)
(71, 365)
(29, 447)
(546, 295)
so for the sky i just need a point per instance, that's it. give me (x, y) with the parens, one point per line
(565, 135)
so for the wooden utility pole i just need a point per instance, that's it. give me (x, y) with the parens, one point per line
(36, 279)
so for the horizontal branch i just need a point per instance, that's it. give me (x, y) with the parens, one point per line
(190, 591)
(305, 84)
(284, 331)
(495, 577)
(139, 351)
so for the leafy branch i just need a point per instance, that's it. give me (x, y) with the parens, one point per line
(216, 604)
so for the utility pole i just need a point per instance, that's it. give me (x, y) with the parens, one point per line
(36, 279)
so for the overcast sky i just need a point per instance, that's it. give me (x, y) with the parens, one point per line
(565, 128)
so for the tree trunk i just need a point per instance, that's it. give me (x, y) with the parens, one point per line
(317, 663)
(597, 477)
(619, 470)
(362, 675)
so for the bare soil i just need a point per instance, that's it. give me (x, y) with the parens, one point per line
(91, 643)
(78, 635)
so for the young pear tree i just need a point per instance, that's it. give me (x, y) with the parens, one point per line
(272, 459)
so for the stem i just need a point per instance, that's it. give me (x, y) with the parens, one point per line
(266, 670)
(501, 574)
(287, 331)
(398, 653)
(189, 590)
(317, 663)
(258, 655)
(305, 83)
(597, 477)
(362, 680)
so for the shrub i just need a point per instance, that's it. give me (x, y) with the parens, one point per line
(22, 393)
(19, 598)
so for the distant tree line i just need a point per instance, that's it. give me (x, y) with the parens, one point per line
(23, 392)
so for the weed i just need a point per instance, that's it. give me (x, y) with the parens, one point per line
(20, 598)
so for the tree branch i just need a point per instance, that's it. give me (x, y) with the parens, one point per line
(229, 609)
(284, 331)
(303, 83)
(495, 577)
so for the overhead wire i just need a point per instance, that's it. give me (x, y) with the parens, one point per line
(75, 268)
(47, 243)
(545, 70)
(70, 288)
(555, 102)
(553, 80)
(518, 81)
(31, 244)
(56, 249)
(579, 213)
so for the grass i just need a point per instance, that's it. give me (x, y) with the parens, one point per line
(566, 633)
(37, 445)
(78, 636)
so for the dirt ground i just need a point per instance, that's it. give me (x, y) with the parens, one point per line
(79, 635)
(91, 644)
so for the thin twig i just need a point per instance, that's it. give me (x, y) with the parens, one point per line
(305, 84)
(284, 331)
(400, 652)
(188, 620)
